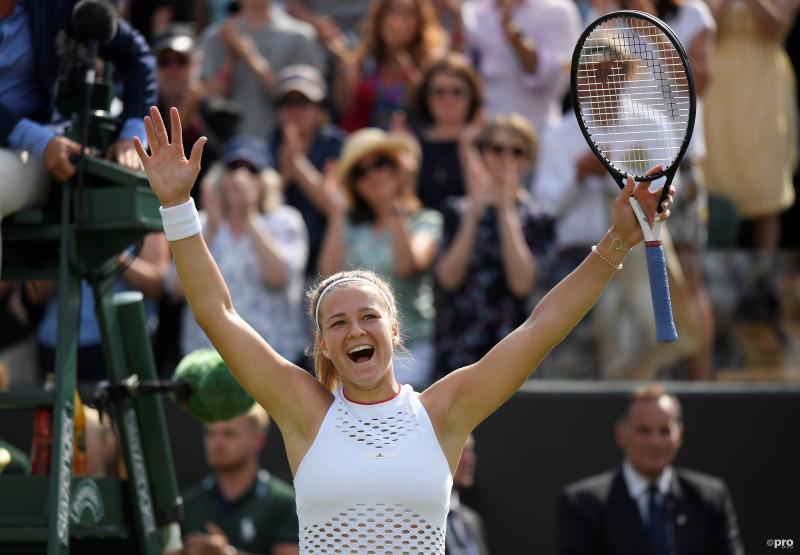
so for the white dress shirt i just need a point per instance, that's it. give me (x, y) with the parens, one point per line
(553, 26)
(638, 484)
(582, 209)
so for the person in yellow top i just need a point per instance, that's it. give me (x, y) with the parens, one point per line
(751, 123)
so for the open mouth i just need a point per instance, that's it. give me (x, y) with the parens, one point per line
(361, 353)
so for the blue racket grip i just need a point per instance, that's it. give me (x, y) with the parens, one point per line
(659, 290)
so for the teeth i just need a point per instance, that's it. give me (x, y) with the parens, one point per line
(359, 348)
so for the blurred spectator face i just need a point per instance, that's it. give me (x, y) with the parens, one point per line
(375, 178)
(650, 435)
(400, 23)
(241, 190)
(295, 108)
(605, 80)
(465, 471)
(642, 5)
(231, 444)
(505, 151)
(448, 98)
(253, 4)
(173, 73)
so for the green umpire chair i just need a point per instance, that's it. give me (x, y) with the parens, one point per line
(99, 213)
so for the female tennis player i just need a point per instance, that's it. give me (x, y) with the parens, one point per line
(373, 460)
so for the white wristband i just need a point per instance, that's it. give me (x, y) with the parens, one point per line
(180, 221)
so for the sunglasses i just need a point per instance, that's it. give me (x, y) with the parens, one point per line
(242, 164)
(293, 101)
(382, 161)
(498, 150)
(173, 61)
(457, 92)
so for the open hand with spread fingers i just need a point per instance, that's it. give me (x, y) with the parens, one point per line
(171, 174)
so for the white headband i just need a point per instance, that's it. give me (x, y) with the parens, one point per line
(343, 280)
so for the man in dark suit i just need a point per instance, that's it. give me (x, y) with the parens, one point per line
(466, 534)
(647, 506)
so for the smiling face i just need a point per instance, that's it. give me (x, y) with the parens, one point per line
(173, 71)
(505, 151)
(651, 435)
(358, 334)
(375, 178)
(449, 97)
(400, 24)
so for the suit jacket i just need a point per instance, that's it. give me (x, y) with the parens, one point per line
(127, 50)
(474, 524)
(598, 516)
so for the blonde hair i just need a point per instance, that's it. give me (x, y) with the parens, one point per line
(323, 366)
(270, 196)
(258, 416)
(516, 124)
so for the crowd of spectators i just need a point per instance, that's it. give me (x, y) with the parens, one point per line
(433, 141)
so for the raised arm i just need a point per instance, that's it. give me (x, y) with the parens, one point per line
(331, 256)
(461, 400)
(773, 17)
(451, 270)
(519, 264)
(293, 398)
(346, 75)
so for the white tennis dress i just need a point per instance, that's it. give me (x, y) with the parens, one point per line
(375, 481)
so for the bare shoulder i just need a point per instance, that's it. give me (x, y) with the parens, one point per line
(451, 429)
(300, 430)
(310, 404)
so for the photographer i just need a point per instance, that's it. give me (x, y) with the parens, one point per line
(29, 147)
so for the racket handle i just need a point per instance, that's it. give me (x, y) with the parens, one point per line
(659, 290)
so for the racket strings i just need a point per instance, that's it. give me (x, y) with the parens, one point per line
(633, 94)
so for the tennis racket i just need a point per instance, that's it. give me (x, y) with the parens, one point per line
(634, 97)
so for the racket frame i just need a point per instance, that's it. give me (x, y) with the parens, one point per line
(619, 176)
(659, 286)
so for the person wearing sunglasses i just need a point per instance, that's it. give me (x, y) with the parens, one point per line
(179, 85)
(377, 221)
(492, 242)
(448, 99)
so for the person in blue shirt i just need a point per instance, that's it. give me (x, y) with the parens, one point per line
(31, 150)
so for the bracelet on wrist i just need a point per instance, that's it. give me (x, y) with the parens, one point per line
(606, 259)
(617, 244)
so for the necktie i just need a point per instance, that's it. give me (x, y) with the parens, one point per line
(459, 538)
(657, 525)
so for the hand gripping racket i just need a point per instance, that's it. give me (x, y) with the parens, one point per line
(634, 98)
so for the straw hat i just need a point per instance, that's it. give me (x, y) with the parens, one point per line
(372, 140)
